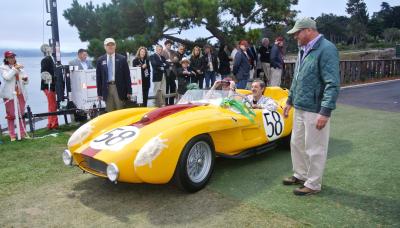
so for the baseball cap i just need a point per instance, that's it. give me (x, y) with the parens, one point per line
(303, 23)
(109, 40)
(9, 54)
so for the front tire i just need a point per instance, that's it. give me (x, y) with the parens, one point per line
(196, 164)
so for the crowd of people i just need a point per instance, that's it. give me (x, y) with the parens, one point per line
(317, 70)
(174, 70)
(170, 72)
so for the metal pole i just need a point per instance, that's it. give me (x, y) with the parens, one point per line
(16, 113)
(30, 119)
(54, 31)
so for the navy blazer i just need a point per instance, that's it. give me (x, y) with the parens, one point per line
(122, 77)
(241, 66)
(276, 57)
(158, 63)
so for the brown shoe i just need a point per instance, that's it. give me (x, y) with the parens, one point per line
(292, 181)
(304, 191)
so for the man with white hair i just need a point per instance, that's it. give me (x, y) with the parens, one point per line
(113, 77)
(159, 65)
(265, 51)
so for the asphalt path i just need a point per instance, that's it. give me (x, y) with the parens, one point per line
(381, 96)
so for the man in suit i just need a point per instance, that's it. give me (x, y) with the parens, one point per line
(211, 67)
(265, 51)
(81, 62)
(113, 77)
(172, 57)
(241, 65)
(159, 65)
(277, 62)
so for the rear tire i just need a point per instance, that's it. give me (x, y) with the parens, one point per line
(196, 164)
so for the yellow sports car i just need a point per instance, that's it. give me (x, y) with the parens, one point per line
(178, 142)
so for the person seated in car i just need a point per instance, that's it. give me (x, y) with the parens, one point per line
(258, 100)
(227, 84)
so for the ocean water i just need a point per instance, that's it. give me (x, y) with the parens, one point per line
(36, 98)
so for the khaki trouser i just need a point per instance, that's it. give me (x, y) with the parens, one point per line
(309, 147)
(159, 92)
(267, 71)
(113, 102)
(276, 75)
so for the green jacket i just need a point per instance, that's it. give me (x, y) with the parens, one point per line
(316, 80)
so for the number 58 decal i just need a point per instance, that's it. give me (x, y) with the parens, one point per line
(273, 124)
(115, 139)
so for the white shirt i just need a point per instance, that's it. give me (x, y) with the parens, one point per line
(113, 65)
(307, 48)
(210, 65)
(233, 54)
(84, 65)
(264, 102)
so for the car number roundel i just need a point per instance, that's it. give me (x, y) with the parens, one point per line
(115, 139)
(273, 124)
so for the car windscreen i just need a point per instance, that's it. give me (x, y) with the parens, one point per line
(204, 96)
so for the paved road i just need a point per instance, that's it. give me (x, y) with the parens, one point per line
(385, 96)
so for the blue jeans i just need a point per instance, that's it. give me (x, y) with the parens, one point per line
(209, 76)
(242, 83)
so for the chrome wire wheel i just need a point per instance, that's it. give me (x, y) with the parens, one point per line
(199, 162)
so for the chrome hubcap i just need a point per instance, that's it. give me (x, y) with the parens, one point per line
(199, 162)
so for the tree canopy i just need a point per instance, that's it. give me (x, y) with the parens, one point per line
(359, 28)
(145, 22)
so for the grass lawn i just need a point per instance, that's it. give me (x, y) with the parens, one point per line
(360, 186)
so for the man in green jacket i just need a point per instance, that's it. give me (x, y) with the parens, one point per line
(313, 95)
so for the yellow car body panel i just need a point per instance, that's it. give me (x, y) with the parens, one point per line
(231, 133)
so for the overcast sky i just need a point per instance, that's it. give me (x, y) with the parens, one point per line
(23, 21)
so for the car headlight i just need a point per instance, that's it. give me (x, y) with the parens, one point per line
(67, 157)
(112, 172)
(80, 135)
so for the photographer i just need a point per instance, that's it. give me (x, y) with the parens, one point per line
(14, 81)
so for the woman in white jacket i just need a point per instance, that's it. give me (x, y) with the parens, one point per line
(13, 84)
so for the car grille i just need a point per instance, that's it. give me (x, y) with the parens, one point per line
(94, 164)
